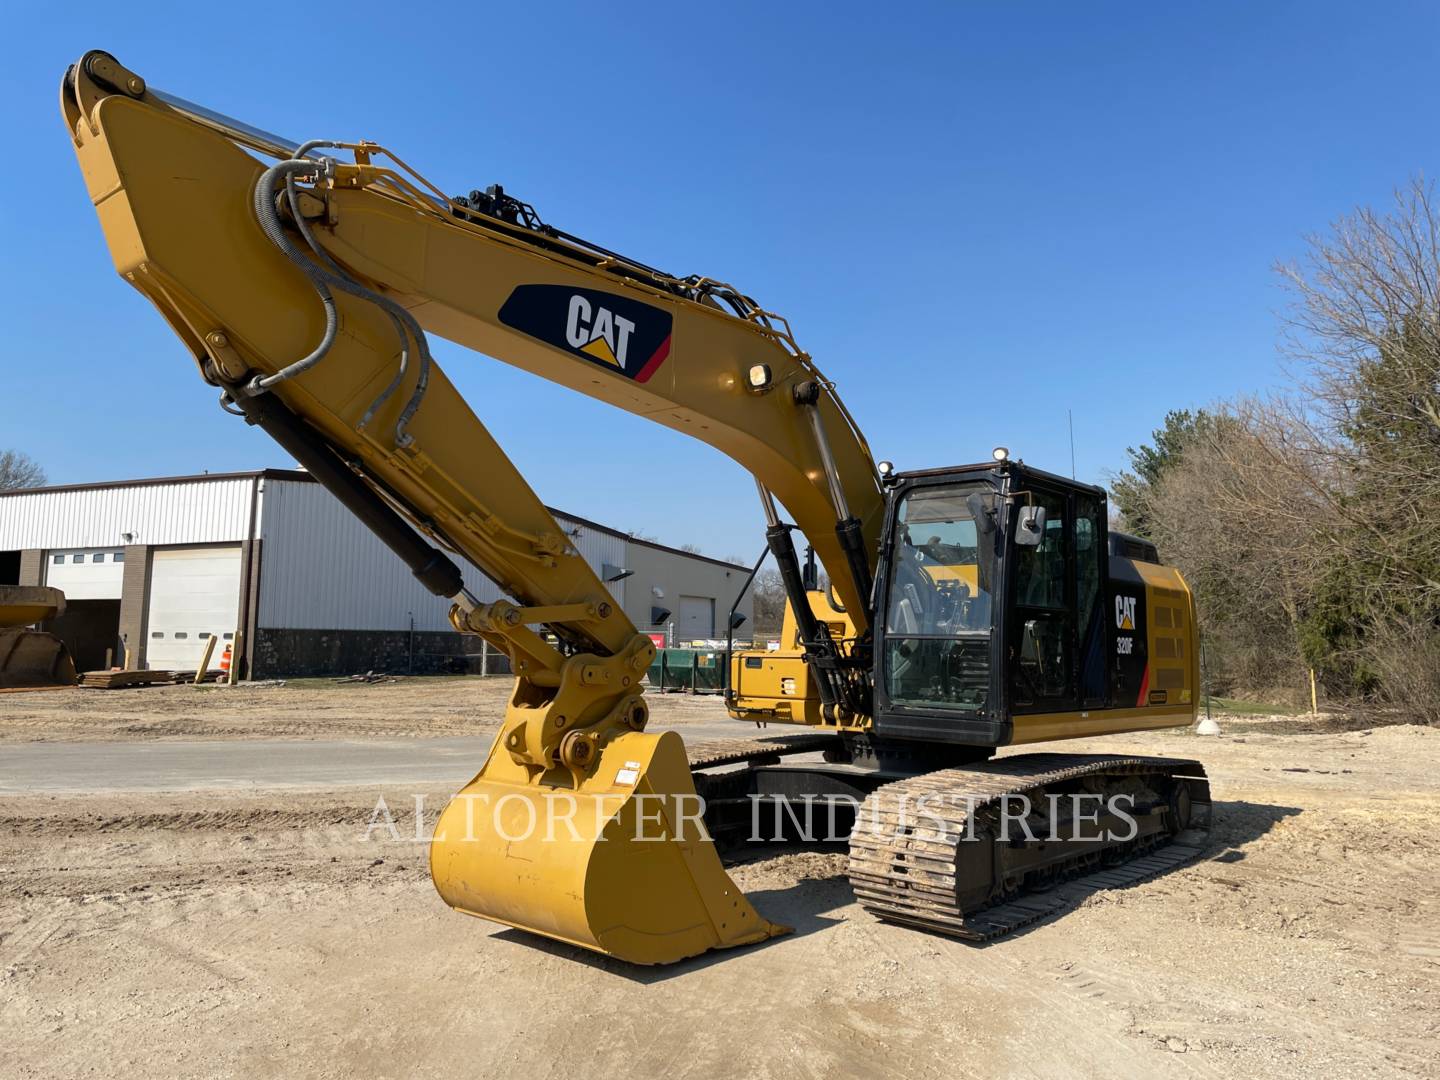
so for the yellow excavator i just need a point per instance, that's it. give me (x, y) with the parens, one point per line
(968, 608)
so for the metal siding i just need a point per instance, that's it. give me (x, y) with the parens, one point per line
(193, 512)
(321, 569)
(598, 548)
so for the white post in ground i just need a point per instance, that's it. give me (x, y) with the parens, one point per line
(1207, 725)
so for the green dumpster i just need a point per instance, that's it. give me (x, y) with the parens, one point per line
(692, 671)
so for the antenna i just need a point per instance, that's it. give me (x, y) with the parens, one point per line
(1070, 415)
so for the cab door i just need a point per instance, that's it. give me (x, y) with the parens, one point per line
(1041, 651)
(1058, 632)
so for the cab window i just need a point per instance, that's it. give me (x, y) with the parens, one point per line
(939, 609)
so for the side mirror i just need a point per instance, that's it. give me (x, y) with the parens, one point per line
(1030, 526)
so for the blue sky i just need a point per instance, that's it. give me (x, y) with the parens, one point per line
(975, 215)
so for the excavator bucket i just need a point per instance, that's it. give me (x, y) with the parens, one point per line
(619, 864)
(30, 658)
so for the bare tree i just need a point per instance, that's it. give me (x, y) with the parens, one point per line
(19, 470)
(1366, 324)
(1306, 522)
(1229, 517)
(768, 603)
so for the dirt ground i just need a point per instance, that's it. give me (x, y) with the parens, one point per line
(303, 709)
(261, 934)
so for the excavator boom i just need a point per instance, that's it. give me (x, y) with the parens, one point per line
(304, 288)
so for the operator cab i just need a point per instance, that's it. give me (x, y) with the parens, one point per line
(989, 601)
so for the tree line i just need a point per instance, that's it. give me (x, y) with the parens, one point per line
(1308, 521)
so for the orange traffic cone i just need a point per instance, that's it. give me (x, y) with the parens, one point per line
(225, 664)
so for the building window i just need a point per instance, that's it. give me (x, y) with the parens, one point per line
(99, 556)
(157, 633)
(77, 558)
(180, 635)
(57, 558)
(119, 556)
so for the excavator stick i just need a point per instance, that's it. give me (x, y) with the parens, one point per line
(619, 862)
(31, 658)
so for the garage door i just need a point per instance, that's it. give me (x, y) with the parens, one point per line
(86, 573)
(697, 618)
(194, 592)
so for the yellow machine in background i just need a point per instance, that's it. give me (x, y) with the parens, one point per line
(31, 658)
(969, 608)
(773, 686)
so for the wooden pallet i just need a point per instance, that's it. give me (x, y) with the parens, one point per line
(121, 680)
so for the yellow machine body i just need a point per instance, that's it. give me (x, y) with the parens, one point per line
(774, 685)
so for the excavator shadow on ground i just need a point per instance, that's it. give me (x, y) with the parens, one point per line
(807, 905)
(1235, 824)
(803, 906)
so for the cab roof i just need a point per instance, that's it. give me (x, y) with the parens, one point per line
(1017, 469)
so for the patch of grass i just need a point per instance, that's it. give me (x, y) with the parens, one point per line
(1249, 708)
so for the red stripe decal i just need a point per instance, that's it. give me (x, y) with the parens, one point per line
(643, 375)
(1144, 689)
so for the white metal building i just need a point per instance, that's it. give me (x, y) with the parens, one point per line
(273, 564)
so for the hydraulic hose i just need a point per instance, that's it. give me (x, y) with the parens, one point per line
(269, 219)
(323, 276)
(301, 151)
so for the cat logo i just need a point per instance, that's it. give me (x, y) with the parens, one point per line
(1125, 612)
(620, 334)
(598, 333)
